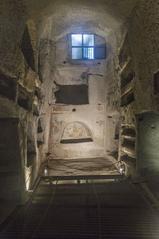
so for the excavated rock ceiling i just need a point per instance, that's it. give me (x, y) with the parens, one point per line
(106, 14)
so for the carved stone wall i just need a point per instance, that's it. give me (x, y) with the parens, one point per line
(141, 46)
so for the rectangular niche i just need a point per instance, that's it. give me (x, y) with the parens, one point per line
(148, 138)
(127, 98)
(8, 86)
(27, 49)
(24, 98)
(156, 83)
(72, 94)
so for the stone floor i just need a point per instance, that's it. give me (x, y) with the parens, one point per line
(6, 208)
(79, 167)
(113, 210)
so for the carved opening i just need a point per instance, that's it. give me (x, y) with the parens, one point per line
(24, 98)
(76, 132)
(72, 94)
(156, 83)
(31, 148)
(27, 49)
(7, 86)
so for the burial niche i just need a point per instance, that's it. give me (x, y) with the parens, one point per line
(76, 132)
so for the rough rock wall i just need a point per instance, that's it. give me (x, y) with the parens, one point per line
(113, 96)
(144, 44)
(46, 69)
(20, 95)
(143, 61)
(12, 24)
(145, 49)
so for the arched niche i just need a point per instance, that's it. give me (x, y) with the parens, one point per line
(76, 132)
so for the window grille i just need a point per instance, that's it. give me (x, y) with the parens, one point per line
(87, 47)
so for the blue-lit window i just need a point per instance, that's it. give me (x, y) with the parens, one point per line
(82, 46)
(87, 47)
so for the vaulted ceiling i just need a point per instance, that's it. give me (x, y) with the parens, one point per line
(102, 14)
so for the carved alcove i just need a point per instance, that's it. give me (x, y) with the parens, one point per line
(76, 132)
(155, 90)
(127, 74)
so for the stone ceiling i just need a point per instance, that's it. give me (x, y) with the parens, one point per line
(103, 14)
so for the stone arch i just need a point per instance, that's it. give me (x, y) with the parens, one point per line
(76, 132)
